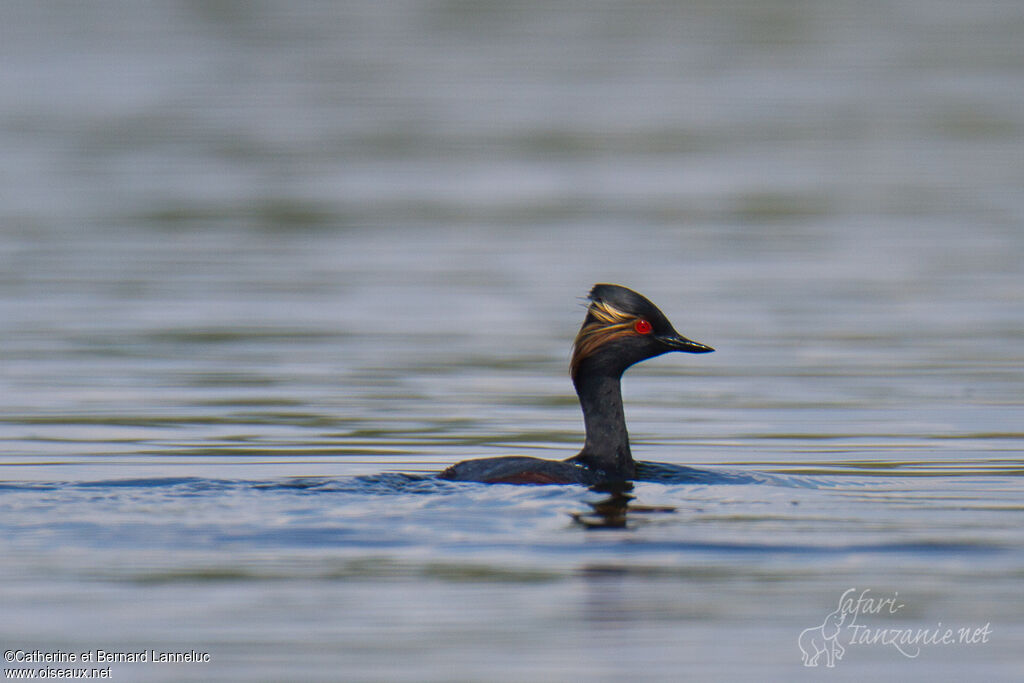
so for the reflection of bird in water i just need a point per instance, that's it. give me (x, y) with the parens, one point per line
(621, 328)
(613, 512)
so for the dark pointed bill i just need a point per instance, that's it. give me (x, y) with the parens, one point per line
(680, 343)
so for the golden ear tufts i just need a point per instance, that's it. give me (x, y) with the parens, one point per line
(604, 323)
(607, 314)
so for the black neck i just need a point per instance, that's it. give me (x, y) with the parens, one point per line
(607, 445)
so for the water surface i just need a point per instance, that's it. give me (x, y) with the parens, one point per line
(264, 269)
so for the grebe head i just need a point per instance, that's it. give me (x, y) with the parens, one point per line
(623, 327)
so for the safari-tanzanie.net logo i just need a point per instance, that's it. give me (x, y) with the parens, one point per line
(849, 625)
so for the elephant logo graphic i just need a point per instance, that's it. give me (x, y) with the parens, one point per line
(823, 640)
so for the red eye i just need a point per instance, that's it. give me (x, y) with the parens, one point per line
(642, 327)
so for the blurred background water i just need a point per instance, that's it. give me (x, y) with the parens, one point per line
(252, 252)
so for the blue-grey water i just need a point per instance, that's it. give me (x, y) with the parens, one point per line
(260, 261)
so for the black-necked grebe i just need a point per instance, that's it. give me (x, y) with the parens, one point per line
(622, 327)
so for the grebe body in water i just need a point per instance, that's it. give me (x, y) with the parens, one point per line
(621, 328)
